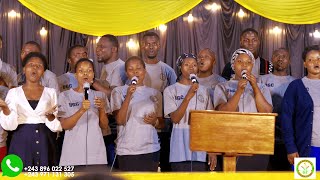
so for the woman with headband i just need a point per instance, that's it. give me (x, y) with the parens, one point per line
(179, 99)
(244, 94)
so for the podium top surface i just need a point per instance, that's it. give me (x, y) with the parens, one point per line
(230, 112)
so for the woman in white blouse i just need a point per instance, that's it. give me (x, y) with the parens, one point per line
(30, 112)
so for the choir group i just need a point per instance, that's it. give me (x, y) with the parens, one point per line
(134, 117)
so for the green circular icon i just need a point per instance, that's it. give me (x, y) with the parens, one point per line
(11, 165)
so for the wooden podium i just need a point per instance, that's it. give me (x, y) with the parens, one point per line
(232, 134)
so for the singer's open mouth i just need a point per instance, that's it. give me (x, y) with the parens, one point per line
(316, 67)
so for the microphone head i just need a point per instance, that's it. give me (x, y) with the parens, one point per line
(86, 85)
(193, 78)
(244, 74)
(134, 80)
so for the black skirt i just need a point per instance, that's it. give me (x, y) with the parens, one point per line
(34, 144)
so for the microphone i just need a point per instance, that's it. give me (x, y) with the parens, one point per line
(244, 74)
(134, 80)
(193, 78)
(86, 87)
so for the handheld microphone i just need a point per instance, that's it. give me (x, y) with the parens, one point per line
(244, 74)
(86, 87)
(134, 80)
(193, 78)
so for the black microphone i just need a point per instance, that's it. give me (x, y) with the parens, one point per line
(134, 80)
(86, 87)
(193, 78)
(244, 74)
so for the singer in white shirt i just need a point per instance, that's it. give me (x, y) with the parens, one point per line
(244, 94)
(30, 112)
(138, 111)
(83, 120)
(179, 99)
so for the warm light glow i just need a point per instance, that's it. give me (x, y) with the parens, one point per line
(241, 13)
(43, 31)
(12, 14)
(131, 44)
(213, 7)
(276, 30)
(163, 27)
(316, 34)
(190, 18)
(98, 38)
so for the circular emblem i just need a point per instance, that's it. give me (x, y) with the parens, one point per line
(154, 99)
(163, 77)
(201, 98)
(305, 168)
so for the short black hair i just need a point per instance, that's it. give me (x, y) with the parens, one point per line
(151, 34)
(249, 30)
(134, 58)
(83, 60)
(35, 55)
(72, 48)
(114, 40)
(33, 43)
(308, 49)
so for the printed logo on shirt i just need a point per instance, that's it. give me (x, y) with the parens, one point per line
(154, 99)
(67, 86)
(231, 90)
(201, 98)
(269, 84)
(305, 168)
(179, 97)
(74, 104)
(163, 77)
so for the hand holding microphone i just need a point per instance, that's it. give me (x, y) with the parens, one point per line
(86, 87)
(193, 78)
(134, 80)
(86, 102)
(193, 88)
(249, 77)
(132, 87)
(244, 74)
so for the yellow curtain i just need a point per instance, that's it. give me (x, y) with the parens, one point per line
(286, 11)
(117, 17)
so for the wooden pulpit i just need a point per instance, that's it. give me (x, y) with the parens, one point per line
(232, 134)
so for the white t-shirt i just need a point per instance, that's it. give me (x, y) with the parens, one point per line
(113, 73)
(67, 81)
(256, 68)
(159, 76)
(3, 134)
(210, 82)
(83, 144)
(277, 86)
(137, 137)
(224, 91)
(180, 136)
(313, 87)
(9, 74)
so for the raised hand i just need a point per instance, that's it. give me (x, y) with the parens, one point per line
(131, 89)
(150, 119)
(85, 105)
(192, 91)
(99, 103)
(51, 110)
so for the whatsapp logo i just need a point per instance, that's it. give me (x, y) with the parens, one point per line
(11, 165)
